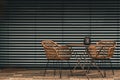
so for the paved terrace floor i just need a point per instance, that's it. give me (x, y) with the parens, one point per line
(37, 74)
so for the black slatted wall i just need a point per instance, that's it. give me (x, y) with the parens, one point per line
(25, 23)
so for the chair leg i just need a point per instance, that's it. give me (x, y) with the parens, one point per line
(78, 62)
(54, 67)
(60, 70)
(95, 65)
(111, 66)
(46, 66)
(69, 66)
(76, 65)
(82, 67)
(105, 69)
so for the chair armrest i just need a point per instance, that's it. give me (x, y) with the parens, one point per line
(98, 50)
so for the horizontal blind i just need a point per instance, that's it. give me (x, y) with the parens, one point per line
(26, 23)
(98, 19)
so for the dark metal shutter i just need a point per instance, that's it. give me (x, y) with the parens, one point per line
(26, 23)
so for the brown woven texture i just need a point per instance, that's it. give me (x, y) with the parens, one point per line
(55, 51)
(102, 50)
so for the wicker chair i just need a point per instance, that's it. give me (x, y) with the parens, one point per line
(54, 51)
(103, 50)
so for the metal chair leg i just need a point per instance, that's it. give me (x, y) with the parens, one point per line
(54, 67)
(46, 66)
(69, 66)
(60, 70)
(78, 62)
(95, 65)
(85, 71)
(111, 66)
(105, 69)
(76, 65)
(81, 65)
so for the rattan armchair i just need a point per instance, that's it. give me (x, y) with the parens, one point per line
(55, 51)
(103, 50)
